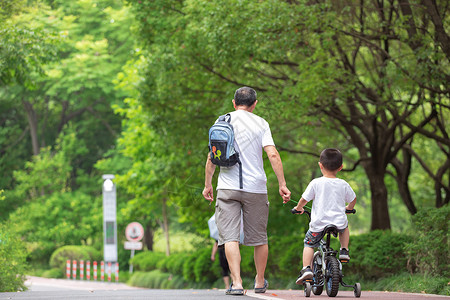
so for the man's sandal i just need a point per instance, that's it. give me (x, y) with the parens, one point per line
(236, 292)
(262, 289)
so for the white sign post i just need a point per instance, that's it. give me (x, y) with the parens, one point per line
(109, 219)
(134, 233)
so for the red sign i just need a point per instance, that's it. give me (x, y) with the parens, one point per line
(134, 232)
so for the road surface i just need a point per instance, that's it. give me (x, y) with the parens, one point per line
(62, 289)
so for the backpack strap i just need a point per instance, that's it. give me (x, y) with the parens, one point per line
(224, 118)
(241, 181)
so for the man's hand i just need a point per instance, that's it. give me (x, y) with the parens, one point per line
(208, 193)
(285, 193)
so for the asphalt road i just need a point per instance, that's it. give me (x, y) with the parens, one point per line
(62, 289)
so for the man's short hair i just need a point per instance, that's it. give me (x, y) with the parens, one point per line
(244, 96)
(331, 159)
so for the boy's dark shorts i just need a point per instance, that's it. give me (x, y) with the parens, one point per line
(312, 239)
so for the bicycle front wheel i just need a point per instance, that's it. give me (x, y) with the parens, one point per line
(332, 276)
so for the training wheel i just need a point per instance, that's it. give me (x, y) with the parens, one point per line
(357, 290)
(307, 286)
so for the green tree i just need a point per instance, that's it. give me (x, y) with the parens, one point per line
(75, 88)
(339, 66)
(54, 215)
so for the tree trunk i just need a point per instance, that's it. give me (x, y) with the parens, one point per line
(380, 212)
(403, 170)
(148, 237)
(166, 226)
(32, 121)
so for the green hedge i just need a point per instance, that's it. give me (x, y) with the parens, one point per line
(12, 261)
(377, 254)
(374, 256)
(429, 254)
(60, 256)
(147, 260)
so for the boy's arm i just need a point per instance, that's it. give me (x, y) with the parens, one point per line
(277, 167)
(208, 191)
(213, 251)
(301, 203)
(351, 205)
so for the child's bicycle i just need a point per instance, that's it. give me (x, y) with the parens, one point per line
(327, 268)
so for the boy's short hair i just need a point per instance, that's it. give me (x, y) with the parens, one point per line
(331, 159)
(245, 96)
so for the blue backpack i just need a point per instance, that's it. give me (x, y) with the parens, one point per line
(221, 145)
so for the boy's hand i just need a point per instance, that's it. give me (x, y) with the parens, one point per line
(299, 209)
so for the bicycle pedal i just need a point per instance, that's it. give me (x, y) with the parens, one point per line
(344, 261)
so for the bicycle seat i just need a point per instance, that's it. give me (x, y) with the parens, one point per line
(331, 229)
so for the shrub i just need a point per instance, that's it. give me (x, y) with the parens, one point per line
(377, 254)
(53, 273)
(173, 263)
(247, 262)
(188, 267)
(73, 252)
(147, 260)
(429, 251)
(203, 266)
(12, 261)
(285, 254)
(150, 280)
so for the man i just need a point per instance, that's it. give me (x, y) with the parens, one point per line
(252, 134)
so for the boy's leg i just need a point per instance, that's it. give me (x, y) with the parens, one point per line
(261, 253)
(308, 255)
(234, 262)
(344, 238)
(306, 273)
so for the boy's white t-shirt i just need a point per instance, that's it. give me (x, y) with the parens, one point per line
(330, 196)
(252, 134)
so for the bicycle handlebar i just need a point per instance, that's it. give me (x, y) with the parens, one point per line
(296, 212)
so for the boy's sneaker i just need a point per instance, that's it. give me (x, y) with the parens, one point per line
(305, 274)
(343, 254)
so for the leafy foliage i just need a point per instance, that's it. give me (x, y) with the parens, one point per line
(430, 251)
(60, 256)
(377, 254)
(147, 260)
(12, 260)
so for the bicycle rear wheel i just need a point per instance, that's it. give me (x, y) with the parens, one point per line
(318, 276)
(332, 277)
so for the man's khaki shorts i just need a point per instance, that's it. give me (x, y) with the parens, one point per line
(255, 208)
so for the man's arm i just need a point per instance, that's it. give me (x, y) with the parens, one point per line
(208, 191)
(277, 166)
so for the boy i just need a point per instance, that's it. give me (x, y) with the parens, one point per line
(330, 194)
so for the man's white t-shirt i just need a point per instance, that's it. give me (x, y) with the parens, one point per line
(330, 196)
(252, 134)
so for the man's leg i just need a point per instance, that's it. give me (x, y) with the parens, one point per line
(234, 262)
(260, 257)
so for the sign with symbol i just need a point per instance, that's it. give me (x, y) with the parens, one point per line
(134, 232)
